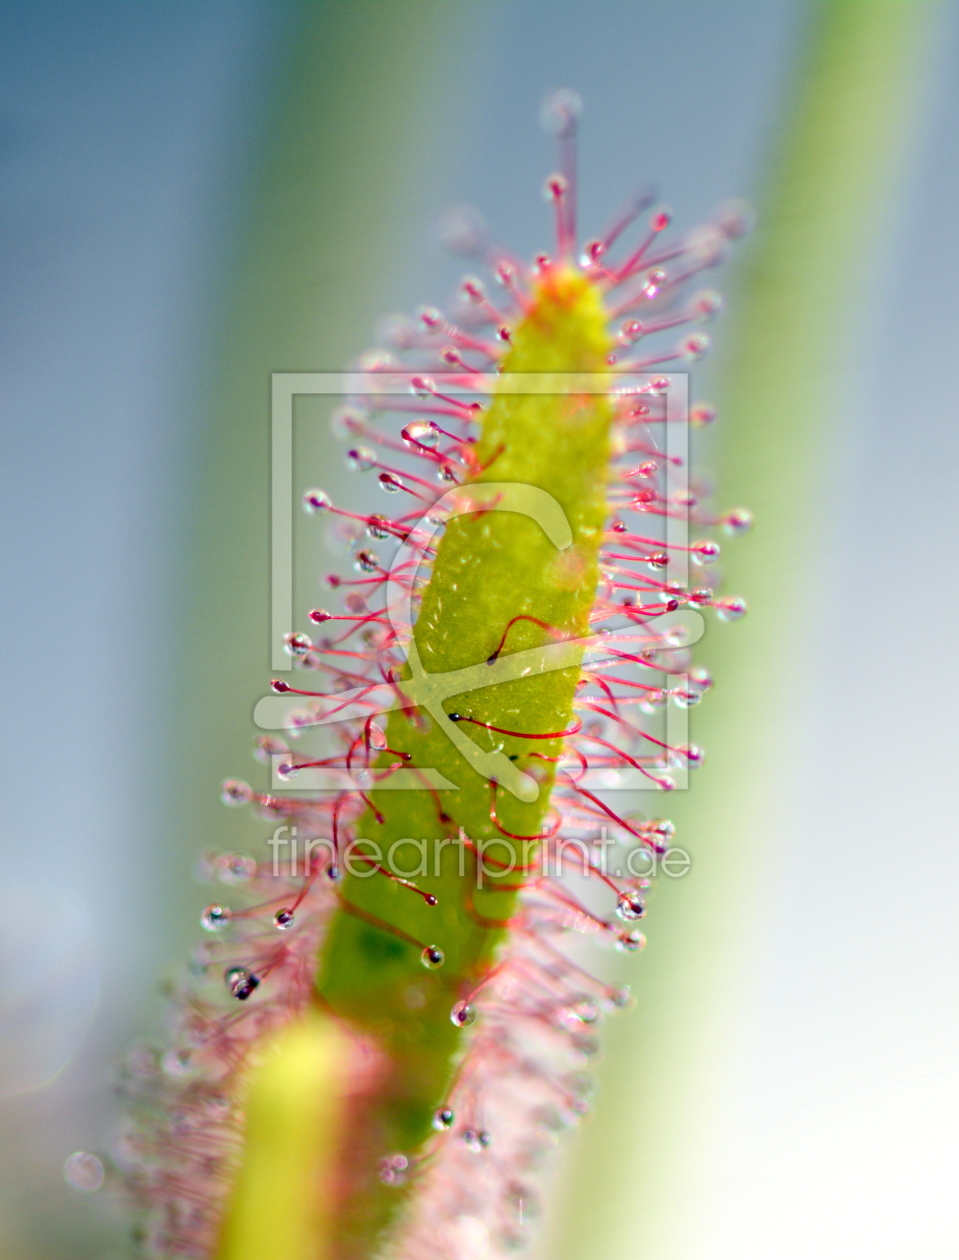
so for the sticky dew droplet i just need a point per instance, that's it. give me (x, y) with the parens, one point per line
(731, 608)
(706, 304)
(699, 676)
(297, 644)
(424, 386)
(443, 1119)
(631, 942)
(241, 982)
(559, 112)
(659, 833)
(463, 1014)
(177, 1061)
(692, 754)
(622, 998)
(214, 918)
(83, 1171)
(283, 919)
(421, 433)
(235, 868)
(705, 551)
(695, 347)
(653, 701)
(316, 501)
(360, 459)
(432, 958)
(701, 415)
(345, 421)
(394, 1170)
(266, 747)
(585, 1011)
(235, 792)
(366, 561)
(737, 521)
(555, 188)
(685, 697)
(630, 906)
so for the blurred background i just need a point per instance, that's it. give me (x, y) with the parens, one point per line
(193, 195)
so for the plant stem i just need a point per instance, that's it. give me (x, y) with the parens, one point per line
(826, 209)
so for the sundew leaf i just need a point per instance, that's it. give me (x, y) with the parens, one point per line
(490, 569)
(453, 730)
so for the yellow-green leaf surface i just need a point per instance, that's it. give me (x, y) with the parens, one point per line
(491, 567)
(282, 1199)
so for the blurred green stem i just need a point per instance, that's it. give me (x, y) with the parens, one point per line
(826, 210)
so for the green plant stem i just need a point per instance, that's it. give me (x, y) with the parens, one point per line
(490, 568)
(627, 1191)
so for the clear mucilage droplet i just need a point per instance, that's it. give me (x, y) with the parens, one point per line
(686, 697)
(235, 868)
(692, 754)
(559, 112)
(283, 919)
(659, 833)
(241, 982)
(432, 958)
(732, 608)
(737, 521)
(695, 347)
(700, 677)
(214, 918)
(622, 997)
(630, 906)
(316, 501)
(266, 747)
(424, 386)
(177, 1061)
(236, 792)
(631, 942)
(706, 304)
(421, 433)
(83, 1171)
(345, 421)
(705, 551)
(394, 1170)
(297, 644)
(360, 459)
(585, 1010)
(366, 561)
(653, 701)
(443, 1119)
(463, 1014)
(701, 415)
